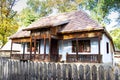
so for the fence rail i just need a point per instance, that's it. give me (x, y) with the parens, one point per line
(39, 57)
(84, 58)
(16, 70)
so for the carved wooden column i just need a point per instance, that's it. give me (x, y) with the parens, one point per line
(34, 47)
(30, 46)
(44, 46)
(99, 52)
(39, 46)
(23, 50)
(77, 48)
(49, 46)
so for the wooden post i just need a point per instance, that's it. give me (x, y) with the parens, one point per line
(23, 50)
(99, 57)
(44, 46)
(77, 49)
(30, 47)
(39, 46)
(49, 46)
(34, 47)
(11, 49)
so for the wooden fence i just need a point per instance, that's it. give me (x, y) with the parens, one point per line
(16, 70)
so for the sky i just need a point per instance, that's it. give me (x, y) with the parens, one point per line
(21, 4)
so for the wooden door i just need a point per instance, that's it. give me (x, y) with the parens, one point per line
(54, 55)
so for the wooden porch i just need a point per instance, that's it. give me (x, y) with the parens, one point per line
(38, 57)
(92, 58)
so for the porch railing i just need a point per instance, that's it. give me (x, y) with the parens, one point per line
(27, 56)
(84, 58)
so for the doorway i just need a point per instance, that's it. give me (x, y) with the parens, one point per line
(54, 55)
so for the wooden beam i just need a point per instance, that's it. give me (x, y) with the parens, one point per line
(99, 57)
(49, 46)
(34, 47)
(23, 50)
(17, 40)
(44, 46)
(30, 47)
(81, 35)
(39, 46)
(77, 48)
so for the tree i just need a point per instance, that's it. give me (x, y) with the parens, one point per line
(34, 10)
(65, 5)
(116, 37)
(8, 24)
(40, 8)
(100, 9)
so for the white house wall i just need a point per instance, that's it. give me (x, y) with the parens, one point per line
(66, 47)
(106, 57)
(42, 47)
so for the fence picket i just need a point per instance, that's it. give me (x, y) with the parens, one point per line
(59, 72)
(75, 73)
(109, 74)
(94, 72)
(87, 72)
(6, 71)
(101, 73)
(19, 70)
(49, 71)
(45, 71)
(69, 72)
(38, 70)
(54, 71)
(81, 72)
(41, 71)
(64, 71)
(116, 74)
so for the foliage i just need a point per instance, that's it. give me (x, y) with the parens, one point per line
(100, 9)
(34, 10)
(116, 37)
(39, 8)
(65, 5)
(8, 24)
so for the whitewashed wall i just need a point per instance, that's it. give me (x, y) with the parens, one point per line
(41, 48)
(66, 47)
(106, 58)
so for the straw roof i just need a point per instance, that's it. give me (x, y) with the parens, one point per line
(20, 34)
(75, 21)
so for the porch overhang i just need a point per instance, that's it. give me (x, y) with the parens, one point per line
(20, 40)
(81, 35)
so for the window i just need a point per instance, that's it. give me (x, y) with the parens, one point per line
(83, 46)
(28, 47)
(107, 47)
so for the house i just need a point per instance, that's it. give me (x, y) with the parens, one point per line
(70, 37)
(6, 49)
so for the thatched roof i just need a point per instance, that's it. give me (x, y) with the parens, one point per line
(75, 21)
(20, 34)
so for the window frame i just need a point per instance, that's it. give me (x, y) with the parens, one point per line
(107, 47)
(82, 44)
